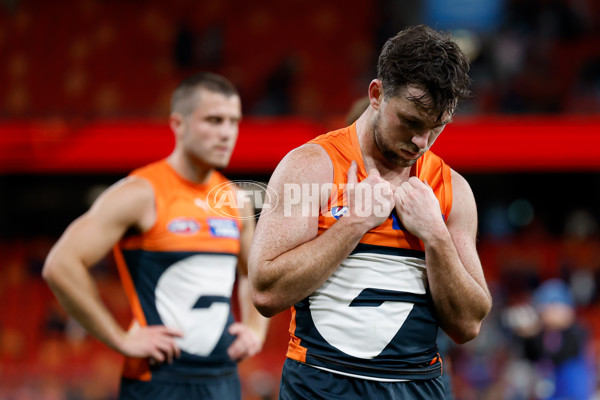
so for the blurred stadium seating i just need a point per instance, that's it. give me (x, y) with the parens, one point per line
(82, 82)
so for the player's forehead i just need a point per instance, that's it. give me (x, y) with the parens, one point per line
(416, 103)
(210, 102)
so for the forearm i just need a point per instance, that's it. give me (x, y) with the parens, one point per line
(460, 300)
(78, 294)
(292, 276)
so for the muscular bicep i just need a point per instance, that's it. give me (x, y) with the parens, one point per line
(462, 225)
(290, 218)
(127, 204)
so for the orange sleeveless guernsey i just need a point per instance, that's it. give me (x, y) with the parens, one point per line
(374, 317)
(181, 273)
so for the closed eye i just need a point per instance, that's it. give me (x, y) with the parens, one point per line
(413, 123)
(213, 119)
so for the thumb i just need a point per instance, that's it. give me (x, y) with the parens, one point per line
(236, 328)
(374, 173)
(352, 178)
(427, 184)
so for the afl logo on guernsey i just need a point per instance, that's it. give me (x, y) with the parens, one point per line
(183, 226)
(338, 212)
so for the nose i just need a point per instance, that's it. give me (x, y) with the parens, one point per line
(228, 130)
(421, 140)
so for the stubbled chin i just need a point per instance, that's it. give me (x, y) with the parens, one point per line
(399, 161)
(406, 163)
(221, 163)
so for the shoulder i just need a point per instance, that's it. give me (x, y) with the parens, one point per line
(130, 200)
(151, 169)
(159, 174)
(136, 188)
(309, 152)
(463, 200)
(460, 186)
(333, 136)
(307, 163)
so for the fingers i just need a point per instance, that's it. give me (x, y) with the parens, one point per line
(237, 350)
(400, 194)
(406, 190)
(177, 351)
(374, 173)
(156, 356)
(165, 351)
(168, 345)
(236, 328)
(410, 185)
(415, 182)
(160, 343)
(352, 174)
(170, 350)
(387, 189)
(246, 343)
(173, 332)
(418, 184)
(352, 178)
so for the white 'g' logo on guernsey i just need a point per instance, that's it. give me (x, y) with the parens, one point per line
(364, 332)
(192, 295)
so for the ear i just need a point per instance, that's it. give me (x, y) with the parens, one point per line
(176, 123)
(376, 93)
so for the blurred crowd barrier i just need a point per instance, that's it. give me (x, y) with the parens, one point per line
(491, 143)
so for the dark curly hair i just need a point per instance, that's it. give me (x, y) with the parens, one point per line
(428, 59)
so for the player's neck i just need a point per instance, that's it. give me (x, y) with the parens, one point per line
(189, 170)
(388, 171)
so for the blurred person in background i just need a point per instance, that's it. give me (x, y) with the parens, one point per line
(368, 287)
(178, 254)
(557, 344)
(357, 109)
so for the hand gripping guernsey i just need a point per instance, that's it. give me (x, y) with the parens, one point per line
(181, 273)
(374, 317)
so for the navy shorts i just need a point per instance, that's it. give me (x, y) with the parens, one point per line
(220, 388)
(299, 381)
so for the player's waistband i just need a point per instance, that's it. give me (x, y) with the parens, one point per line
(399, 373)
(369, 378)
(200, 376)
